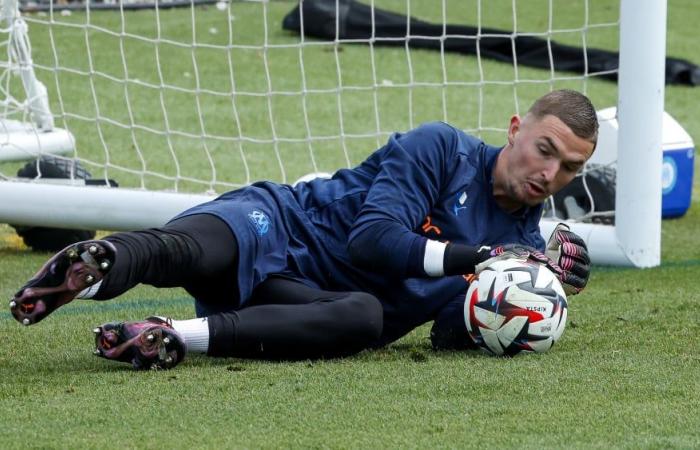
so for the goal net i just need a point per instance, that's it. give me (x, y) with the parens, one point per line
(180, 104)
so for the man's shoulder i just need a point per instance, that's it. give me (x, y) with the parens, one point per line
(449, 138)
(447, 130)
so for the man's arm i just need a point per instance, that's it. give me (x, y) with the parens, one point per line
(414, 169)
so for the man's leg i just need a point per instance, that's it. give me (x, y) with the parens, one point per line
(194, 250)
(288, 320)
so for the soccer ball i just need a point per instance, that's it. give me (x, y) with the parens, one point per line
(515, 306)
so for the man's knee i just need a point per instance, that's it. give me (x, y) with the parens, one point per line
(362, 315)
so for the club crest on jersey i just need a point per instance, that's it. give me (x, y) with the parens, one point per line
(459, 204)
(260, 221)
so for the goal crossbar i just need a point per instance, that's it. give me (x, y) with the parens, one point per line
(66, 206)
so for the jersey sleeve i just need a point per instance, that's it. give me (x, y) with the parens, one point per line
(414, 168)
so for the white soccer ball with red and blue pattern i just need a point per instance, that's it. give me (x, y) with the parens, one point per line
(515, 306)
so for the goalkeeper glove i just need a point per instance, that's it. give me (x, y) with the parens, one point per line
(569, 252)
(515, 251)
(463, 259)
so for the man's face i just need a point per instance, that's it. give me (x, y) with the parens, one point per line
(542, 156)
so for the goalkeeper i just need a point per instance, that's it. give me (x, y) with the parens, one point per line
(334, 266)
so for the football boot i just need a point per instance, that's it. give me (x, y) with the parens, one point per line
(64, 276)
(146, 344)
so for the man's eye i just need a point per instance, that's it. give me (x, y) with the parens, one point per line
(543, 149)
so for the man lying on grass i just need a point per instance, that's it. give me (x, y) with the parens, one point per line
(334, 266)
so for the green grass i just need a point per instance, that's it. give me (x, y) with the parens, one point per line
(623, 376)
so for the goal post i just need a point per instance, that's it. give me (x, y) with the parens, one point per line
(640, 114)
(635, 240)
(181, 106)
(22, 139)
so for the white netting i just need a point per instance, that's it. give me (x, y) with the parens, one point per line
(208, 98)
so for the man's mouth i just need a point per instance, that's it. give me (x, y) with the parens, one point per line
(535, 189)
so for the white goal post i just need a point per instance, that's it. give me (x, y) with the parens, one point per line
(21, 139)
(150, 144)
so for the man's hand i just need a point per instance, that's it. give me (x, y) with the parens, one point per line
(490, 255)
(523, 253)
(569, 252)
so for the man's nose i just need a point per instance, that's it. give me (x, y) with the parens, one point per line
(550, 170)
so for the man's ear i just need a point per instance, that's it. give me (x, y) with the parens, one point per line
(513, 128)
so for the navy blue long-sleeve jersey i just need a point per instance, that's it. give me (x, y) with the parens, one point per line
(366, 228)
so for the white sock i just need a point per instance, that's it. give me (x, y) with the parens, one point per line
(195, 332)
(89, 292)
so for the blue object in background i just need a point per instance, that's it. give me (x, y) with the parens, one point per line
(677, 181)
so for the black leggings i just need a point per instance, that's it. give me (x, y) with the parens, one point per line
(288, 320)
(284, 319)
(198, 253)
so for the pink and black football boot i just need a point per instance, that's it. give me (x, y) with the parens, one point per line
(147, 344)
(66, 274)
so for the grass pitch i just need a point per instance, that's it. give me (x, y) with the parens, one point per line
(623, 376)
